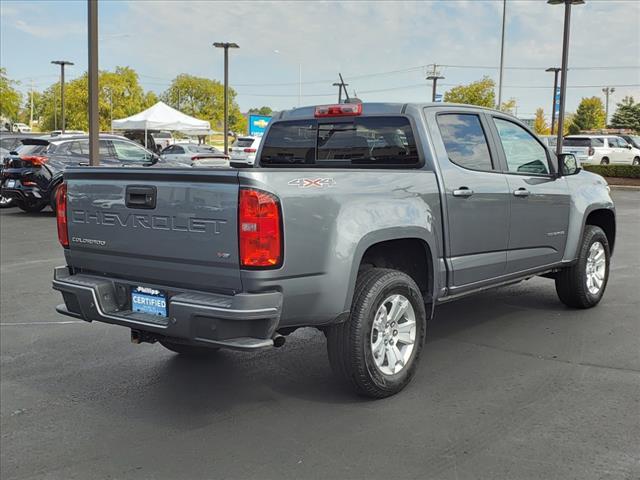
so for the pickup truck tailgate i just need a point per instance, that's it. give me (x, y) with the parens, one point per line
(163, 227)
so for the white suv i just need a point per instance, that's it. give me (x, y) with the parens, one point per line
(244, 150)
(601, 149)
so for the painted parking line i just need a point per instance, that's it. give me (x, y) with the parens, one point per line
(13, 324)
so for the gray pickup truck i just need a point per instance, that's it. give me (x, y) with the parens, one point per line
(357, 220)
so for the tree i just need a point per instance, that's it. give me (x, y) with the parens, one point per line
(261, 111)
(480, 93)
(10, 97)
(590, 114)
(509, 106)
(540, 125)
(627, 115)
(203, 98)
(120, 90)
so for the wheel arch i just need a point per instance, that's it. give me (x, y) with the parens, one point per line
(604, 218)
(410, 250)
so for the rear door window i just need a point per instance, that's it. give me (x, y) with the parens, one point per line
(344, 142)
(465, 141)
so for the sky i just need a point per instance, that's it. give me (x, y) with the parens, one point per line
(381, 48)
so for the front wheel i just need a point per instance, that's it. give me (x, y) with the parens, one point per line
(636, 161)
(604, 161)
(582, 285)
(377, 349)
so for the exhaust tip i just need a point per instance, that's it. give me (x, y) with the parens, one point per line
(278, 341)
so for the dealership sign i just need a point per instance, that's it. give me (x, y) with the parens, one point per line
(258, 124)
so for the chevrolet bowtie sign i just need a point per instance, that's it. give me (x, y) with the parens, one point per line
(258, 124)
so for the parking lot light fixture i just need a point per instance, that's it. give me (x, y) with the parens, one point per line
(565, 61)
(555, 71)
(226, 46)
(62, 64)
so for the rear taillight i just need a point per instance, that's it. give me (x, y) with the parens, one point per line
(35, 160)
(340, 110)
(61, 214)
(250, 150)
(259, 229)
(591, 151)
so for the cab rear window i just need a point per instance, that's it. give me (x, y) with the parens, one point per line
(354, 142)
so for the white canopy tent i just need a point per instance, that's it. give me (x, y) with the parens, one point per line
(162, 117)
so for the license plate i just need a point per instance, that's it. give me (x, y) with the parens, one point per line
(149, 301)
(11, 183)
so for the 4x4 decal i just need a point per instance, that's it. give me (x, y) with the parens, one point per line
(312, 182)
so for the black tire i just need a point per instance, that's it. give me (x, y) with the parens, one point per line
(349, 343)
(31, 207)
(189, 350)
(604, 161)
(571, 282)
(636, 161)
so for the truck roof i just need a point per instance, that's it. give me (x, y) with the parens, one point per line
(379, 108)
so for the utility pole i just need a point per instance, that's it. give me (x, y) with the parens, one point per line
(62, 64)
(607, 91)
(434, 76)
(226, 46)
(94, 87)
(31, 116)
(504, 22)
(341, 85)
(556, 98)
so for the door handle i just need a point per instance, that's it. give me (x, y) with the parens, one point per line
(140, 196)
(521, 192)
(463, 192)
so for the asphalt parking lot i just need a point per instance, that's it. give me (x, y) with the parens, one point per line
(512, 385)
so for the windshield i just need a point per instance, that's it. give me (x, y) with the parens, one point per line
(381, 141)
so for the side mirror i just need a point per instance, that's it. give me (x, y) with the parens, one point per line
(628, 145)
(568, 164)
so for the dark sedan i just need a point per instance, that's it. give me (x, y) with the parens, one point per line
(32, 172)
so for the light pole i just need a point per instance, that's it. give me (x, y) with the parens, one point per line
(565, 61)
(62, 64)
(607, 91)
(555, 71)
(226, 46)
(94, 112)
(434, 76)
(504, 22)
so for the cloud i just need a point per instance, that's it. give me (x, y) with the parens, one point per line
(50, 31)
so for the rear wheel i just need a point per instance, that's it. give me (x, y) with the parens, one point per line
(376, 351)
(582, 285)
(188, 350)
(604, 161)
(636, 161)
(31, 207)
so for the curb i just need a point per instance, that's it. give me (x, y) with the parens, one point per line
(625, 187)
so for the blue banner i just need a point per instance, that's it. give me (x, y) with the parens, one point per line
(258, 124)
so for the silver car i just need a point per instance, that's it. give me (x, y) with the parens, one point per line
(197, 155)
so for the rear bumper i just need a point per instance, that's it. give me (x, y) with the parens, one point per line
(23, 194)
(242, 321)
